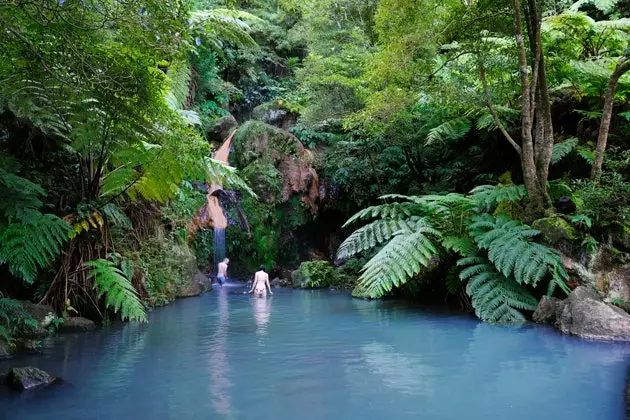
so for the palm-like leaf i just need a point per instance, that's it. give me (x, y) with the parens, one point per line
(120, 295)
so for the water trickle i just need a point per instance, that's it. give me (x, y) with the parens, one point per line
(213, 205)
(219, 245)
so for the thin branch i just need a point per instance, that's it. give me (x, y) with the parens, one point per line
(489, 103)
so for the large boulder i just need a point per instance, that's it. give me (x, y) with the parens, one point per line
(270, 151)
(190, 288)
(548, 310)
(28, 378)
(276, 114)
(615, 285)
(585, 315)
(77, 324)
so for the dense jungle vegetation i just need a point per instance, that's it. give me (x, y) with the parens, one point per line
(473, 152)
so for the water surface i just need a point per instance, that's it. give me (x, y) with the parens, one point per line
(321, 355)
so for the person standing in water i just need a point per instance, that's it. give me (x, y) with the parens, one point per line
(261, 283)
(222, 272)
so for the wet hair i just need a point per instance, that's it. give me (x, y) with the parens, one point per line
(262, 267)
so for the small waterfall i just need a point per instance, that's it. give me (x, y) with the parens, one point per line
(219, 245)
(213, 205)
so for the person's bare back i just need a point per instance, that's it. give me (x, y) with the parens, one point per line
(222, 271)
(261, 283)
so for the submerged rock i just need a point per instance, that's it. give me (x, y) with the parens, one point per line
(77, 324)
(27, 378)
(584, 314)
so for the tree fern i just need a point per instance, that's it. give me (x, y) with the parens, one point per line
(120, 295)
(487, 197)
(605, 6)
(32, 244)
(495, 297)
(224, 25)
(513, 254)
(396, 210)
(560, 150)
(375, 233)
(451, 130)
(400, 259)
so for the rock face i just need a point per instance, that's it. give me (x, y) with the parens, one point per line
(584, 314)
(274, 113)
(77, 324)
(195, 285)
(203, 281)
(615, 285)
(189, 289)
(257, 143)
(27, 378)
(558, 232)
(548, 310)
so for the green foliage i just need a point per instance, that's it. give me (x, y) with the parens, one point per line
(120, 294)
(13, 319)
(510, 249)
(29, 240)
(495, 297)
(449, 131)
(560, 150)
(314, 275)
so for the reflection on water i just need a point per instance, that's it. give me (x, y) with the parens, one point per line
(262, 313)
(319, 355)
(219, 365)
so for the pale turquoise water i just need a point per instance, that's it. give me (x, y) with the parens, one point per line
(321, 355)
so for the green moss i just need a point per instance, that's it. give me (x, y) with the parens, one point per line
(556, 229)
(257, 141)
(265, 180)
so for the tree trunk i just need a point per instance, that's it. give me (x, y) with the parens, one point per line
(622, 67)
(536, 195)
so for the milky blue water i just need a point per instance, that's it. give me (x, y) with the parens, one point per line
(321, 355)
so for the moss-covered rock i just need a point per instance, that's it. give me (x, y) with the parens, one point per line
(276, 114)
(556, 229)
(265, 180)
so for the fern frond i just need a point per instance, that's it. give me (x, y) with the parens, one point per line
(449, 131)
(495, 297)
(605, 6)
(32, 244)
(400, 259)
(513, 254)
(115, 216)
(387, 210)
(178, 80)
(371, 235)
(120, 295)
(463, 246)
(224, 25)
(560, 150)
(487, 197)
